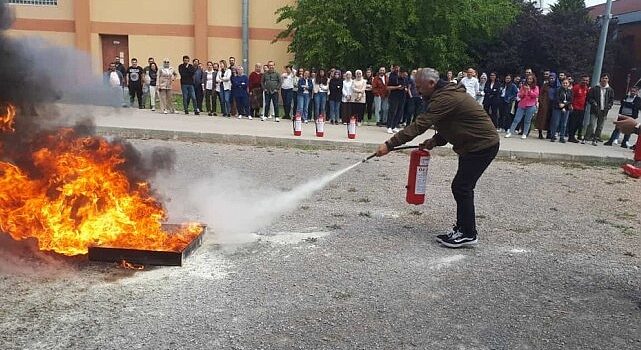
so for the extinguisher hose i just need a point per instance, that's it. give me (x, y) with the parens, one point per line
(393, 149)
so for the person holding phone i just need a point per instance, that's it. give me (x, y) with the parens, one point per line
(630, 106)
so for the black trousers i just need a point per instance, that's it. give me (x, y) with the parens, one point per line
(492, 108)
(506, 117)
(396, 110)
(470, 168)
(210, 100)
(200, 95)
(369, 104)
(575, 123)
(135, 91)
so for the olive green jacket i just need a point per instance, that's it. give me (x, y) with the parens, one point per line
(457, 118)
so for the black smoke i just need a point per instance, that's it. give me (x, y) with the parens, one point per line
(34, 77)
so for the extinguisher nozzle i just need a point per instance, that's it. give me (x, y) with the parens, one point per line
(370, 157)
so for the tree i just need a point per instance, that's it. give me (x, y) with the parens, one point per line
(413, 33)
(562, 40)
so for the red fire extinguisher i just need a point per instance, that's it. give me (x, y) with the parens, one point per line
(417, 177)
(351, 128)
(320, 126)
(630, 169)
(298, 125)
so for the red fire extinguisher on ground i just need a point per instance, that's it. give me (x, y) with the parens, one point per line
(320, 126)
(298, 125)
(351, 128)
(630, 169)
(417, 177)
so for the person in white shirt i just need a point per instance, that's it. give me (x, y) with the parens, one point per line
(348, 85)
(321, 88)
(287, 90)
(209, 78)
(223, 80)
(471, 84)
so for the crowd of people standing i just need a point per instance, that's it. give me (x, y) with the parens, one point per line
(555, 104)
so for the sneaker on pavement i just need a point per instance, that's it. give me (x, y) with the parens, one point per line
(389, 131)
(460, 239)
(262, 118)
(624, 145)
(508, 135)
(396, 130)
(594, 143)
(240, 116)
(608, 143)
(277, 119)
(441, 238)
(615, 142)
(250, 117)
(524, 136)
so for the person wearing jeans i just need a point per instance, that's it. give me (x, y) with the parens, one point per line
(321, 87)
(223, 79)
(271, 83)
(601, 99)
(380, 92)
(630, 106)
(335, 97)
(187, 71)
(461, 121)
(561, 111)
(304, 88)
(529, 94)
(287, 90)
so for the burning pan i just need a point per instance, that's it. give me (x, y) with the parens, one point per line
(147, 257)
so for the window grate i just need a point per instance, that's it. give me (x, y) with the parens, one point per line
(34, 2)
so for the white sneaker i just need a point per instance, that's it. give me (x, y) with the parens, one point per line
(306, 121)
(250, 117)
(508, 135)
(615, 142)
(523, 136)
(262, 118)
(153, 109)
(240, 116)
(270, 117)
(165, 112)
(396, 130)
(390, 131)
(277, 119)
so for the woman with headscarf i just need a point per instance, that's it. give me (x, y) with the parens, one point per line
(359, 98)
(166, 76)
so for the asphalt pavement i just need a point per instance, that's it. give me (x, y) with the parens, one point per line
(351, 266)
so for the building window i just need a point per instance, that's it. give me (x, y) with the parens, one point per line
(34, 2)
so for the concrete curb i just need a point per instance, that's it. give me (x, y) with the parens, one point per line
(355, 146)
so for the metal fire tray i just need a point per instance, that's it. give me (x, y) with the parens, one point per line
(147, 257)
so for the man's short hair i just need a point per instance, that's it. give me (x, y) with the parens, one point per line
(150, 58)
(428, 74)
(605, 75)
(134, 59)
(185, 57)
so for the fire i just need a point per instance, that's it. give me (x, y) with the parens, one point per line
(76, 194)
(7, 119)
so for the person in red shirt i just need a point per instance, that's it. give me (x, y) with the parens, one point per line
(579, 98)
(256, 90)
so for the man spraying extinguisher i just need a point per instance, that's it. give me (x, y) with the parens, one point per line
(461, 121)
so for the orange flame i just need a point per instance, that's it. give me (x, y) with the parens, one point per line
(7, 119)
(79, 196)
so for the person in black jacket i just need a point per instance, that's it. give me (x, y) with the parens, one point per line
(560, 111)
(601, 99)
(630, 106)
(492, 100)
(335, 96)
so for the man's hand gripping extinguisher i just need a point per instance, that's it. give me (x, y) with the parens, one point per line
(417, 176)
